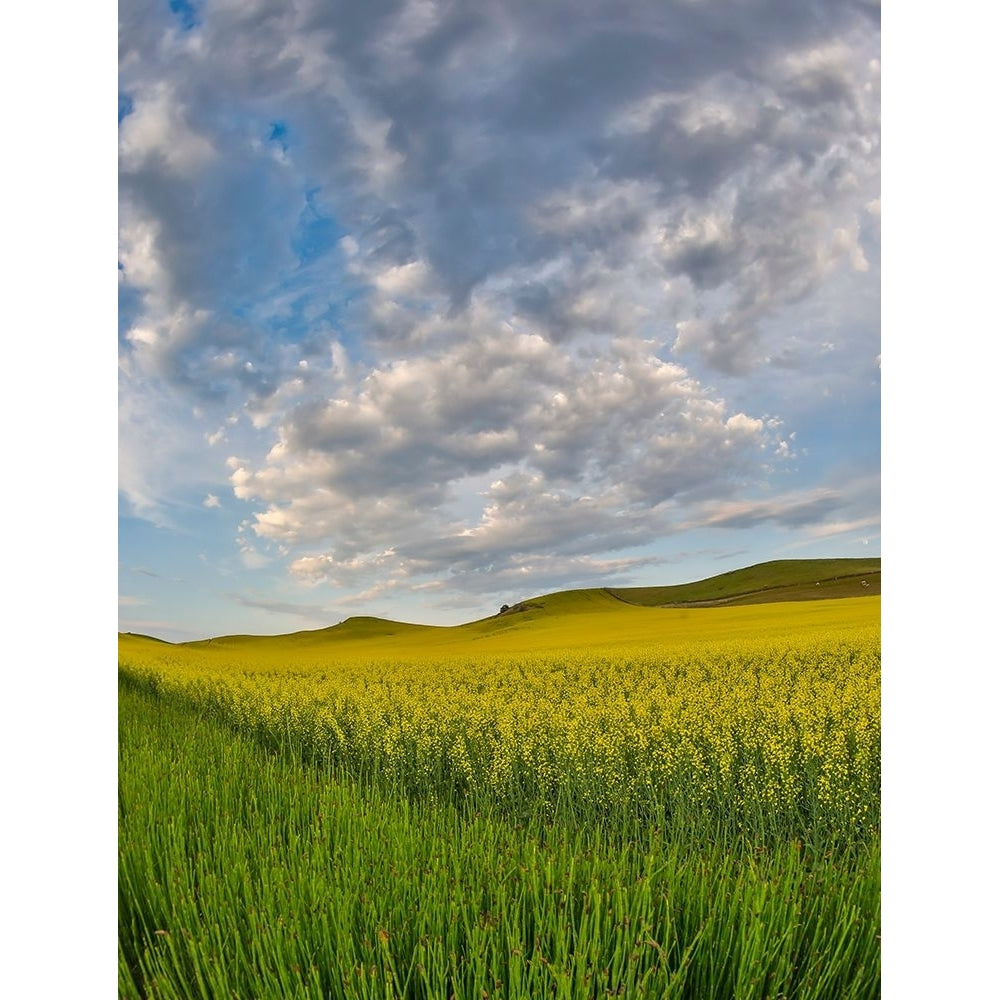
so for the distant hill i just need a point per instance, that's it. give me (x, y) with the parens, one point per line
(361, 627)
(570, 617)
(781, 580)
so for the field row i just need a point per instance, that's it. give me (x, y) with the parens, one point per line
(248, 873)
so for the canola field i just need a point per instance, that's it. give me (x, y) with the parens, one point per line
(581, 801)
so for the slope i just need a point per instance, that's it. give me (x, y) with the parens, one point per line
(780, 580)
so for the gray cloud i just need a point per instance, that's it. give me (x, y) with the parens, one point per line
(443, 131)
(791, 514)
(383, 458)
(458, 286)
(822, 511)
(311, 612)
(590, 454)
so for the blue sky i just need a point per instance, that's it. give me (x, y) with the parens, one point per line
(425, 308)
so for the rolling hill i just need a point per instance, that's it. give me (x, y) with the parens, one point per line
(762, 597)
(781, 580)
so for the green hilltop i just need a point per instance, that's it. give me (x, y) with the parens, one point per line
(780, 580)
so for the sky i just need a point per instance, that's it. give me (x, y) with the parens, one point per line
(424, 308)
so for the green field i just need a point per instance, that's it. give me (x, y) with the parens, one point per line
(581, 797)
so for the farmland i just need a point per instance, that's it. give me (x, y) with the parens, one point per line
(580, 797)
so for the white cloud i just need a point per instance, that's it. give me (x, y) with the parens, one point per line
(157, 130)
(389, 259)
(590, 451)
(842, 527)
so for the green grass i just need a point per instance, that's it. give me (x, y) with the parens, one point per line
(245, 873)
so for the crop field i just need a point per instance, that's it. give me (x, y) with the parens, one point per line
(581, 798)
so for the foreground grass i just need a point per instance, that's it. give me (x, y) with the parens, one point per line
(246, 873)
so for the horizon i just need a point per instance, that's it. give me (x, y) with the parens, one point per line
(494, 614)
(423, 308)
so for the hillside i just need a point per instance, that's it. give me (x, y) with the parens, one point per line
(744, 602)
(780, 580)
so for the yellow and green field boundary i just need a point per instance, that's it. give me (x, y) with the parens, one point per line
(584, 798)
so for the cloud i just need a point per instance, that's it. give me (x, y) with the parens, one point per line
(795, 511)
(584, 454)
(377, 459)
(442, 290)
(311, 612)
(842, 527)
(690, 153)
(156, 132)
(817, 512)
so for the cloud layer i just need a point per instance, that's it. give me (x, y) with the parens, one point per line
(460, 292)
